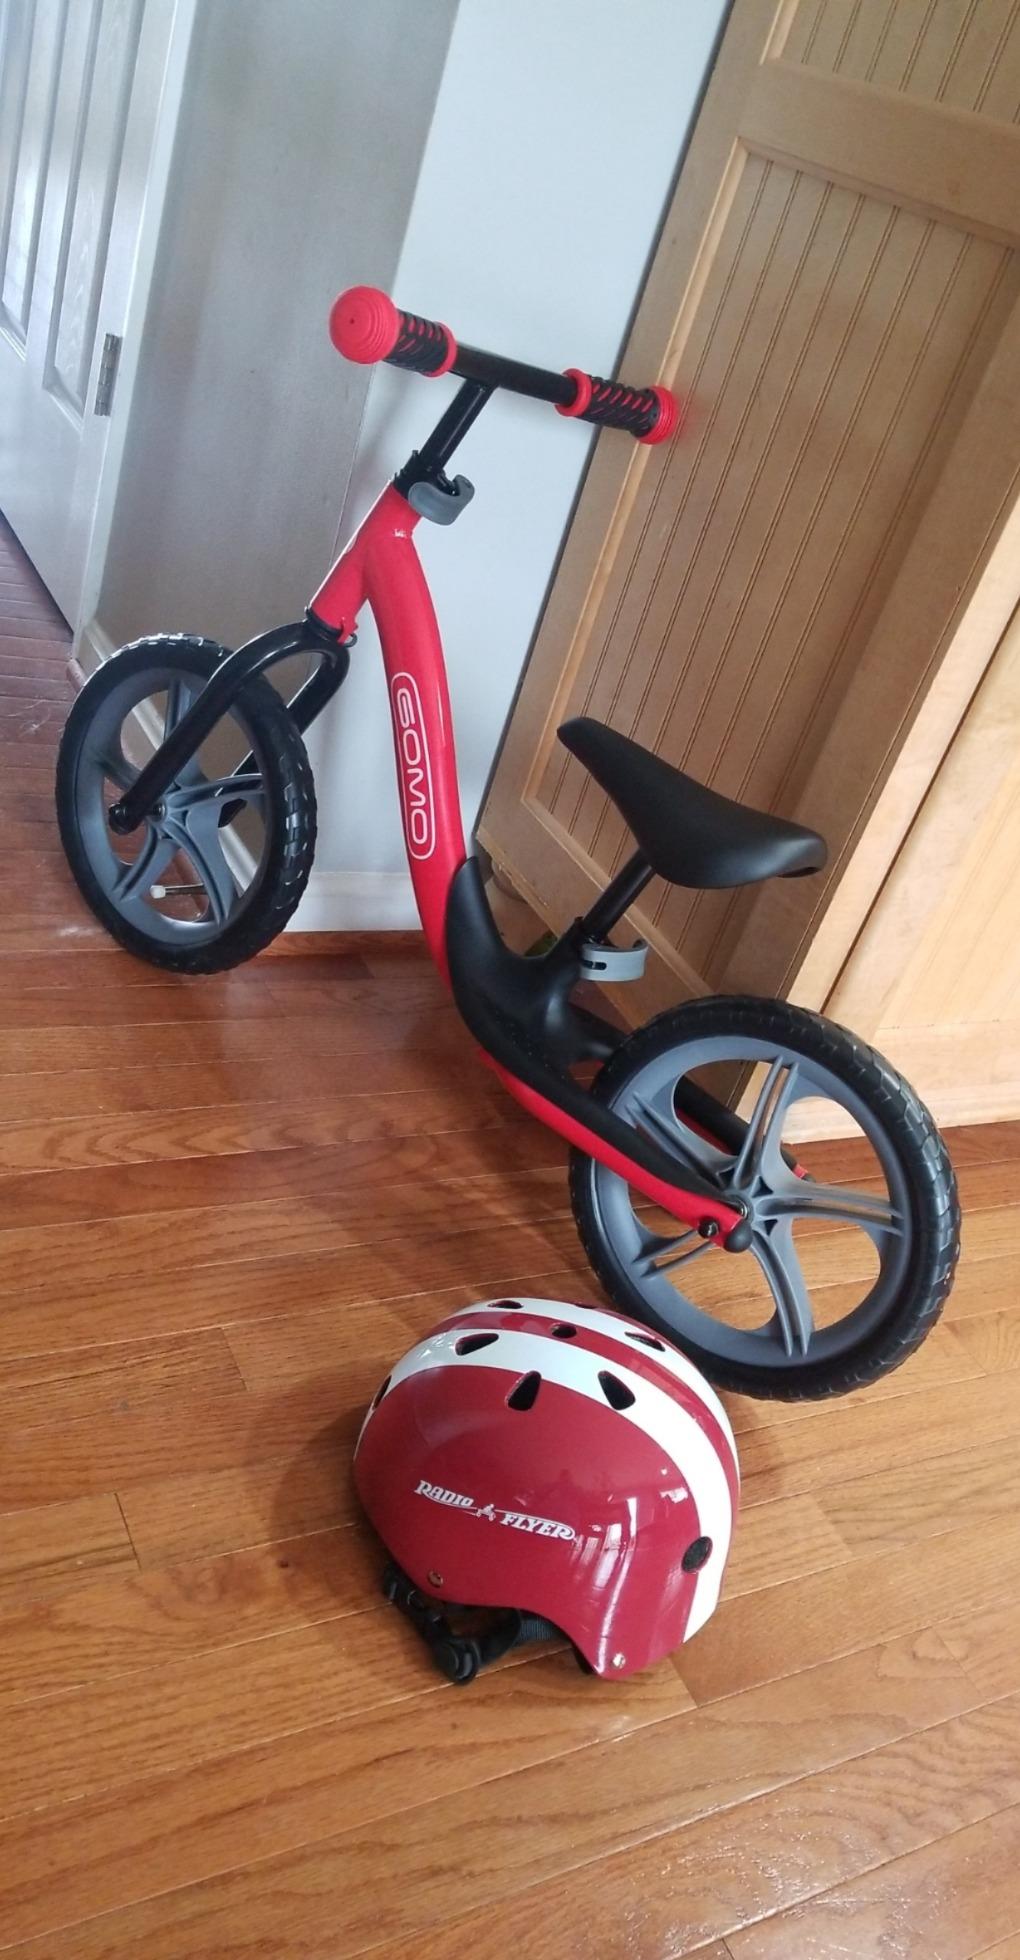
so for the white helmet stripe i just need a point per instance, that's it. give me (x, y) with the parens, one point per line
(613, 1327)
(653, 1411)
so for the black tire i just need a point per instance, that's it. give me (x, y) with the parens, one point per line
(913, 1150)
(284, 787)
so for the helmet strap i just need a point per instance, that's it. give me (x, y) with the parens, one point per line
(460, 1656)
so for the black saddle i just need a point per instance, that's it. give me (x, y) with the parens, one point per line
(689, 834)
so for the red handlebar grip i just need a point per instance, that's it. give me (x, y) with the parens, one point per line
(669, 417)
(365, 326)
(649, 414)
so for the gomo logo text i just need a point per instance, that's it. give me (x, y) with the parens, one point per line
(415, 767)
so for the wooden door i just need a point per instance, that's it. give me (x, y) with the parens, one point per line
(768, 600)
(80, 86)
(934, 978)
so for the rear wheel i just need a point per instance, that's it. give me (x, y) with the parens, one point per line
(853, 1241)
(218, 868)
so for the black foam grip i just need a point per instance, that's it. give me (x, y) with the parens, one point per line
(422, 345)
(615, 406)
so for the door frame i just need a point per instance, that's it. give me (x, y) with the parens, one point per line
(135, 306)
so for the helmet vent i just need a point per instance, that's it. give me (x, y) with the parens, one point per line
(514, 1305)
(380, 1392)
(697, 1555)
(563, 1331)
(616, 1392)
(472, 1342)
(525, 1395)
(646, 1340)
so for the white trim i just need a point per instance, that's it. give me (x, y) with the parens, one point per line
(93, 647)
(614, 1327)
(658, 1415)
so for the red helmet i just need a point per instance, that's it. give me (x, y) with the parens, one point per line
(557, 1461)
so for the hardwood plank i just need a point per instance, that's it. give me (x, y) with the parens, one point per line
(780, 1541)
(932, 1904)
(246, 994)
(126, 1622)
(983, 1141)
(71, 1745)
(88, 1141)
(327, 1898)
(987, 1646)
(88, 1856)
(844, 1441)
(943, 1358)
(882, 1596)
(167, 1044)
(1007, 1949)
(108, 1248)
(192, 1429)
(313, 1173)
(672, 1892)
(977, 1483)
(196, 1086)
(16, 641)
(993, 1339)
(18, 681)
(44, 935)
(203, 1512)
(111, 964)
(983, 1286)
(33, 777)
(51, 1546)
(276, 1352)
(79, 1384)
(454, 1267)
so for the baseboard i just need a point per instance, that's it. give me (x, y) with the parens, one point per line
(91, 649)
(370, 944)
(356, 901)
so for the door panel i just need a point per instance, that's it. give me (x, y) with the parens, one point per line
(79, 86)
(767, 602)
(934, 978)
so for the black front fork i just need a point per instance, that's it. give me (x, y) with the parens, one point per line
(305, 636)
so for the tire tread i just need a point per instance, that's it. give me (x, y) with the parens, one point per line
(915, 1136)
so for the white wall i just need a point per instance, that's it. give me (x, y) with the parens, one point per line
(554, 143)
(301, 133)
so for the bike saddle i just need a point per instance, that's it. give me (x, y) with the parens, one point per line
(689, 834)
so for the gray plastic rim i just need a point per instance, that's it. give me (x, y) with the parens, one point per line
(628, 1240)
(101, 759)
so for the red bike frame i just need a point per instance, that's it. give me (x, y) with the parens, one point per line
(381, 568)
(519, 1010)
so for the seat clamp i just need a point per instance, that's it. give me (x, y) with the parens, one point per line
(601, 962)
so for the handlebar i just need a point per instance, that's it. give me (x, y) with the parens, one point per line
(366, 326)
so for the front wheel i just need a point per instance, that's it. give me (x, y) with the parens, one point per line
(217, 869)
(854, 1240)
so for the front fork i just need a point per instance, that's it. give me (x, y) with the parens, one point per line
(221, 690)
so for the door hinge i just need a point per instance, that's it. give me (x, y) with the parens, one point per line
(108, 365)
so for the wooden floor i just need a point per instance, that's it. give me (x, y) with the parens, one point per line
(225, 1205)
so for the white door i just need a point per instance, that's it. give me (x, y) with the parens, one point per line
(80, 84)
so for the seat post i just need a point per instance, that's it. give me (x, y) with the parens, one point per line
(617, 898)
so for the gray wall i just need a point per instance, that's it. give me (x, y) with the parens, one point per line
(295, 164)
